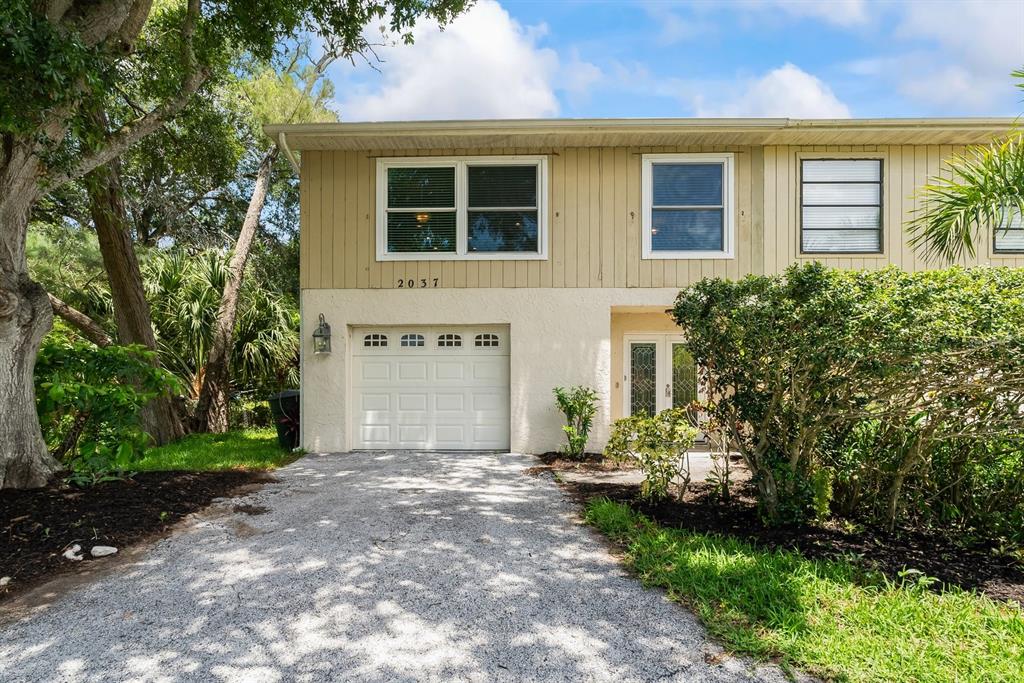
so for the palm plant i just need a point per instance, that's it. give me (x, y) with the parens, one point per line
(184, 291)
(983, 187)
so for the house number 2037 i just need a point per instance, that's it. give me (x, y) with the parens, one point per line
(421, 283)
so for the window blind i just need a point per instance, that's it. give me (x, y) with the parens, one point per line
(841, 206)
(502, 208)
(687, 207)
(1009, 236)
(421, 209)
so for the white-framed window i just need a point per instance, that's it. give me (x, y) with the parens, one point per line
(1008, 237)
(451, 208)
(375, 340)
(841, 206)
(688, 206)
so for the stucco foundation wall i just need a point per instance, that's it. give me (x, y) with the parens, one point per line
(557, 337)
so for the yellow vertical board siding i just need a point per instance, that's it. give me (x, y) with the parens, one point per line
(316, 218)
(595, 220)
(757, 210)
(633, 222)
(567, 275)
(582, 219)
(304, 220)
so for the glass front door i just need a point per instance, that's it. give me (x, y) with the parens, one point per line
(660, 374)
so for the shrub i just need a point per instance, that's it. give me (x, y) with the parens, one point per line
(88, 399)
(658, 445)
(578, 404)
(247, 413)
(887, 378)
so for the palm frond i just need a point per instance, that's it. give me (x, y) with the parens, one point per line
(984, 189)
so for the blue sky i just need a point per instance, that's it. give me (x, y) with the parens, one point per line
(797, 58)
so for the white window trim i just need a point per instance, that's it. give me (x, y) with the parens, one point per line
(460, 164)
(727, 159)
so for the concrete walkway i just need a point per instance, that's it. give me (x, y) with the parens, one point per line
(405, 566)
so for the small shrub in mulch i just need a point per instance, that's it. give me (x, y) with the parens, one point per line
(978, 566)
(37, 525)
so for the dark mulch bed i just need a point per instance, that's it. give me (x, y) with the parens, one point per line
(590, 462)
(974, 567)
(38, 525)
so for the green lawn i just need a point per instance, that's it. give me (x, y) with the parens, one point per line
(828, 618)
(250, 449)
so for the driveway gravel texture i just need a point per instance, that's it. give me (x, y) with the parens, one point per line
(379, 567)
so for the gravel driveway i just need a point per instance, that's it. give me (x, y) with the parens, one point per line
(404, 566)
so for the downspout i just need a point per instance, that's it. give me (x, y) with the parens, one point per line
(282, 142)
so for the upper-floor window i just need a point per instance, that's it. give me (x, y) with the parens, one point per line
(688, 206)
(841, 206)
(461, 208)
(1009, 234)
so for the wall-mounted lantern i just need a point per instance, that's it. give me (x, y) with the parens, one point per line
(322, 337)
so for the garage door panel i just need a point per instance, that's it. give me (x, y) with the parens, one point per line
(375, 402)
(488, 370)
(447, 403)
(412, 402)
(450, 370)
(414, 434)
(484, 403)
(376, 434)
(435, 396)
(412, 371)
(371, 371)
(451, 435)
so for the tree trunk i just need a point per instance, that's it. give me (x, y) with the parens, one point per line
(81, 322)
(212, 408)
(25, 317)
(131, 310)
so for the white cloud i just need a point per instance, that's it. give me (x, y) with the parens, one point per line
(836, 12)
(787, 91)
(979, 44)
(483, 65)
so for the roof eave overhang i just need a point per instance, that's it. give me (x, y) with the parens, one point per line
(551, 133)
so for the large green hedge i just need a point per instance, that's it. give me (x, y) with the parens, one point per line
(884, 393)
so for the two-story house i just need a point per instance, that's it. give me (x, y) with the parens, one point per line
(467, 268)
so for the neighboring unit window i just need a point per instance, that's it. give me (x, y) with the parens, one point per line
(461, 208)
(375, 340)
(487, 340)
(688, 206)
(1009, 236)
(412, 340)
(447, 341)
(841, 206)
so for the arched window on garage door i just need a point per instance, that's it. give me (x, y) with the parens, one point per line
(412, 340)
(486, 340)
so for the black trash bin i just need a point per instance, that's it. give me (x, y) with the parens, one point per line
(284, 407)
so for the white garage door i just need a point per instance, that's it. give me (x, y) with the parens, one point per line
(431, 388)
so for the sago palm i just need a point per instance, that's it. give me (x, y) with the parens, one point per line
(984, 188)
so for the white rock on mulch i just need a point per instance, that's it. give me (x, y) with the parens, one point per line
(4, 581)
(102, 550)
(73, 553)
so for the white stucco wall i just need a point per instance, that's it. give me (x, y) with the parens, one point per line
(557, 336)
